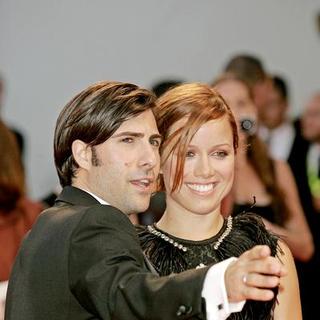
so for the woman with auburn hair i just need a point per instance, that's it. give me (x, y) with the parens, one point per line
(257, 175)
(197, 170)
(17, 212)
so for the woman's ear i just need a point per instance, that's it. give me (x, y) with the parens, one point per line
(81, 154)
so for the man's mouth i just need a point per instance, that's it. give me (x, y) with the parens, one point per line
(144, 184)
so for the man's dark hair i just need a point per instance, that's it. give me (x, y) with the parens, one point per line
(247, 67)
(280, 85)
(92, 116)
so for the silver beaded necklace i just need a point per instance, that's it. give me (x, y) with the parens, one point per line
(163, 236)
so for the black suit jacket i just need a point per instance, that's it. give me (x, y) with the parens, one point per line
(298, 163)
(82, 260)
(308, 272)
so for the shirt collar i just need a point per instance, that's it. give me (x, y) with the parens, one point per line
(98, 198)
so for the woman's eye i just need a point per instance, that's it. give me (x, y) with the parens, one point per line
(220, 154)
(189, 154)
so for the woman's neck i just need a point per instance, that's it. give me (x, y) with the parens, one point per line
(190, 226)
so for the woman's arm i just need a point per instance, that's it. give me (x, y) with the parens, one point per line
(288, 306)
(295, 232)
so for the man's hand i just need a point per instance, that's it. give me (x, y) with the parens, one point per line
(253, 275)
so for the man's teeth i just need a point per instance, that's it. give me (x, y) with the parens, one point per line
(201, 187)
(145, 182)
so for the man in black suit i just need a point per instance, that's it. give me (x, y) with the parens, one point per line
(304, 161)
(82, 258)
(18, 135)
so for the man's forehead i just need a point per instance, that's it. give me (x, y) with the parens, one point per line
(142, 123)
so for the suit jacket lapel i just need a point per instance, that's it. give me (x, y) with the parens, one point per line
(76, 196)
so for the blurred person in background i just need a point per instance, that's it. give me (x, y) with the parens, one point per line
(304, 161)
(272, 182)
(162, 86)
(276, 129)
(250, 69)
(261, 180)
(297, 142)
(18, 135)
(17, 211)
(311, 131)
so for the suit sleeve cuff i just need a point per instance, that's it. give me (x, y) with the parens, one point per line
(214, 291)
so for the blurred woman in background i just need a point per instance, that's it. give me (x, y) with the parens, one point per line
(263, 185)
(17, 211)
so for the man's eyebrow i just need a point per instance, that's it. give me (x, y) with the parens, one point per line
(128, 133)
(156, 136)
(136, 134)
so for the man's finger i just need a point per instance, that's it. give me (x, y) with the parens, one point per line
(257, 252)
(260, 281)
(252, 293)
(267, 266)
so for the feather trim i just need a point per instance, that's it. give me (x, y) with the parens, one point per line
(247, 231)
(165, 257)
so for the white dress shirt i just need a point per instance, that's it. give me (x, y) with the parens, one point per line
(279, 140)
(3, 291)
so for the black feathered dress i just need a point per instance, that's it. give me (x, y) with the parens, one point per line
(170, 254)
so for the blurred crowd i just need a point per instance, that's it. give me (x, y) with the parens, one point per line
(277, 170)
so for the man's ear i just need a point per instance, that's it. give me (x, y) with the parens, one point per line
(82, 154)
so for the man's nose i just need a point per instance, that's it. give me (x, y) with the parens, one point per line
(149, 156)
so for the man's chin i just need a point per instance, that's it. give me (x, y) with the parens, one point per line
(138, 203)
(143, 206)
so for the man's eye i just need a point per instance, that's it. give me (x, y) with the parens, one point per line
(127, 140)
(155, 142)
